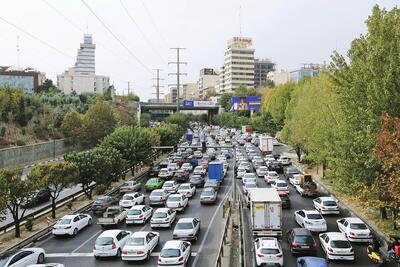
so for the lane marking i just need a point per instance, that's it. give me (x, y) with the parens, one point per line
(84, 243)
(90, 254)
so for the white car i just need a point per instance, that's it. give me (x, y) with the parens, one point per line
(130, 186)
(295, 179)
(311, 220)
(175, 253)
(110, 243)
(140, 245)
(158, 197)
(170, 186)
(268, 251)
(187, 229)
(173, 166)
(131, 199)
(177, 202)
(199, 170)
(280, 185)
(271, 176)
(47, 265)
(336, 246)
(187, 189)
(187, 167)
(138, 214)
(163, 217)
(71, 224)
(285, 161)
(241, 171)
(22, 257)
(326, 205)
(354, 229)
(249, 177)
(262, 171)
(165, 173)
(198, 154)
(248, 186)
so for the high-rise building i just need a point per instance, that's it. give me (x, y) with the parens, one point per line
(190, 91)
(238, 66)
(261, 68)
(207, 82)
(26, 79)
(82, 77)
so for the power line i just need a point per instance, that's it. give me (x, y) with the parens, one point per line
(154, 24)
(178, 73)
(141, 32)
(116, 38)
(36, 38)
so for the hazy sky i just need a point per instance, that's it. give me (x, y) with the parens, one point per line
(290, 32)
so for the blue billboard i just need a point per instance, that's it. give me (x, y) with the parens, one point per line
(245, 103)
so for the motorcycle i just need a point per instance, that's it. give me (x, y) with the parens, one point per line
(374, 256)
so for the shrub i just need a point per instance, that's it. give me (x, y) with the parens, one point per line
(20, 142)
(100, 189)
(2, 129)
(29, 224)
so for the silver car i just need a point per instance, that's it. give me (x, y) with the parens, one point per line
(208, 196)
(130, 186)
(158, 197)
(186, 229)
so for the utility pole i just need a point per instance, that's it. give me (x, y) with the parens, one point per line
(177, 73)
(157, 86)
(128, 88)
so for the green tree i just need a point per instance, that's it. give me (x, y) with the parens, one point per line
(55, 177)
(263, 123)
(46, 87)
(170, 134)
(225, 100)
(71, 126)
(145, 120)
(180, 119)
(113, 161)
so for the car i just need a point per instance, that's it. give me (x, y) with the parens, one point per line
(102, 203)
(295, 179)
(163, 217)
(311, 220)
(280, 185)
(131, 199)
(187, 189)
(22, 257)
(71, 224)
(165, 174)
(326, 205)
(153, 183)
(140, 245)
(301, 241)
(170, 186)
(208, 196)
(112, 216)
(249, 177)
(177, 202)
(175, 253)
(110, 243)
(268, 251)
(212, 183)
(138, 214)
(47, 265)
(311, 262)
(248, 186)
(198, 154)
(271, 176)
(290, 171)
(172, 166)
(275, 166)
(262, 171)
(354, 229)
(36, 197)
(197, 180)
(286, 204)
(285, 161)
(153, 172)
(245, 165)
(199, 170)
(187, 167)
(130, 186)
(186, 229)
(336, 246)
(241, 171)
(158, 197)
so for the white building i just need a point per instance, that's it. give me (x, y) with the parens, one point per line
(279, 77)
(82, 78)
(189, 91)
(238, 66)
(208, 81)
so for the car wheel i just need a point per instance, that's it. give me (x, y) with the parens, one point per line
(75, 231)
(118, 253)
(89, 222)
(40, 259)
(96, 257)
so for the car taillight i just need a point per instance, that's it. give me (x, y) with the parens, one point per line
(294, 244)
(180, 259)
(139, 252)
(260, 255)
(330, 249)
(124, 252)
(104, 205)
(114, 246)
(159, 259)
(190, 234)
(279, 255)
(141, 216)
(174, 235)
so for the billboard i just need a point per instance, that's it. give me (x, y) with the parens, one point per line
(198, 104)
(245, 103)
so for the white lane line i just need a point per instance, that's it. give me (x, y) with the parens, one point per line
(84, 243)
(90, 254)
(209, 227)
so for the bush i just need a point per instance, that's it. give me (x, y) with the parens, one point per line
(100, 189)
(69, 205)
(29, 224)
(2, 130)
(20, 142)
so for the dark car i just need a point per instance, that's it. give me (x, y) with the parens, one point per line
(153, 172)
(290, 171)
(197, 180)
(285, 199)
(181, 176)
(163, 164)
(275, 166)
(102, 203)
(38, 197)
(301, 241)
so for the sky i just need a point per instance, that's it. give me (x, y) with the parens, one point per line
(141, 32)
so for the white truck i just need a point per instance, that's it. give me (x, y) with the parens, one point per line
(266, 212)
(112, 216)
(266, 144)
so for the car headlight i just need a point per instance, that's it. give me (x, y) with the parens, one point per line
(68, 227)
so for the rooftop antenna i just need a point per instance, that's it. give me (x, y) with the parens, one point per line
(18, 51)
(240, 21)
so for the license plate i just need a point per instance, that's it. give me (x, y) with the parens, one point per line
(304, 247)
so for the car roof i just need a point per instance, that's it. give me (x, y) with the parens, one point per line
(301, 231)
(311, 212)
(336, 236)
(354, 220)
(185, 220)
(164, 169)
(188, 184)
(161, 210)
(69, 216)
(130, 194)
(110, 233)
(137, 207)
(315, 260)
(269, 242)
(157, 190)
(327, 198)
(175, 195)
(172, 244)
(140, 234)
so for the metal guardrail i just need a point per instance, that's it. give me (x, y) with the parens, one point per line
(224, 235)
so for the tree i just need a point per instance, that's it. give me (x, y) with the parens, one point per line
(170, 134)
(54, 177)
(114, 163)
(180, 119)
(263, 123)
(71, 126)
(145, 120)
(16, 195)
(225, 100)
(46, 87)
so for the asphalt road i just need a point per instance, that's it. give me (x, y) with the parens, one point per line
(297, 203)
(77, 251)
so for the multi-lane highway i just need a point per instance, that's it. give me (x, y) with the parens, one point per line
(77, 251)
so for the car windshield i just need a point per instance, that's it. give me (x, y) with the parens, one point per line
(135, 241)
(207, 193)
(174, 199)
(340, 244)
(184, 226)
(104, 241)
(358, 226)
(64, 221)
(273, 174)
(314, 216)
(195, 178)
(251, 185)
(281, 184)
(5, 258)
(184, 187)
(127, 197)
(170, 253)
(270, 251)
(134, 212)
(156, 194)
(160, 215)
(330, 203)
(168, 184)
(306, 239)
(152, 181)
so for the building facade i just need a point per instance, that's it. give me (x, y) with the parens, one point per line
(25, 79)
(308, 70)
(279, 77)
(262, 66)
(207, 82)
(167, 98)
(82, 77)
(190, 91)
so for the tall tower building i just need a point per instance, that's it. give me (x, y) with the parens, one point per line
(85, 61)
